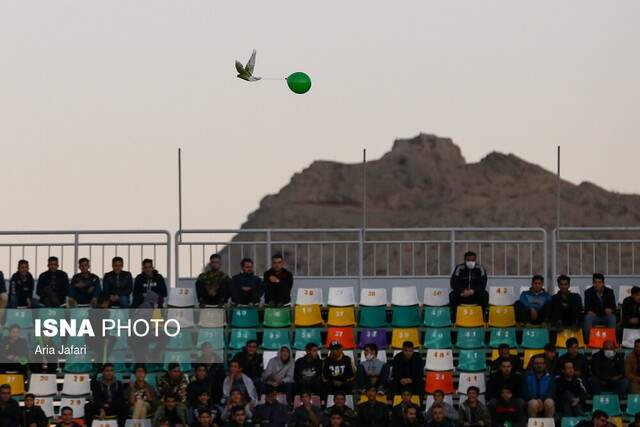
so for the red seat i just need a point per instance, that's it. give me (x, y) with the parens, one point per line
(439, 381)
(342, 335)
(597, 337)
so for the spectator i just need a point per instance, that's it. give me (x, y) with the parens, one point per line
(372, 412)
(236, 398)
(407, 370)
(439, 418)
(599, 305)
(599, 418)
(449, 410)
(237, 380)
(506, 409)
(630, 315)
(246, 288)
(565, 308)
(32, 415)
(504, 353)
(85, 286)
(573, 355)
(212, 284)
(636, 421)
(372, 371)
(472, 412)
(13, 351)
(172, 411)
(607, 368)
(142, 395)
(201, 382)
(149, 287)
(204, 418)
(118, 284)
(340, 405)
(569, 389)
(250, 361)
(307, 414)
(279, 372)
(9, 408)
(52, 285)
(398, 414)
(308, 371)
(173, 382)
(21, 287)
(533, 304)
(278, 282)
(337, 419)
(238, 417)
(468, 284)
(506, 377)
(66, 418)
(4, 298)
(632, 368)
(550, 356)
(107, 398)
(538, 385)
(271, 411)
(338, 371)
(204, 404)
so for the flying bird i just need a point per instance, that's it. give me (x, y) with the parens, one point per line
(246, 72)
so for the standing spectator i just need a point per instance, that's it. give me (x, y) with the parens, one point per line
(338, 371)
(307, 414)
(172, 411)
(538, 385)
(85, 286)
(340, 405)
(201, 382)
(533, 304)
(372, 371)
(278, 282)
(398, 414)
(468, 284)
(212, 284)
(32, 415)
(271, 411)
(308, 371)
(474, 413)
(372, 412)
(9, 408)
(573, 355)
(504, 353)
(630, 315)
(505, 377)
(173, 382)
(570, 391)
(250, 361)
(66, 418)
(118, 284)
(632, 368)
(238, 380)
(279, 372)
(607, 368)
(52, 285)
(246, 288)
(599, 305)
(565, 308)
(142, 395)
(439, 418)
(506, 409)
(108, 400)
(449, 410)
(149, 285)
(4, 298)
(407, 370)
(21, 286)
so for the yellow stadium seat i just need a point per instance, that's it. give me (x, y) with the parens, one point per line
(380, 397)
(308, 315)
(565, 334)
(502, 316)
(616, 421)
(400, 335)
(341, 316)
(495, 354)
(469, 316)
(529, 353)
(16, 381)
(414, 399)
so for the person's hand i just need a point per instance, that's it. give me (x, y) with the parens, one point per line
(274, 279)
(102, 413)
(246, 288)
(608, 311)
(28, 302)
(337, 383)
(113, 298)
(534, 314)
(633, 320)
(575, 401)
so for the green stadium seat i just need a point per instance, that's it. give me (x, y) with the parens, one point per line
(470, 338)
(373, 317)
(472, 360)
(571, 421)
(306, 335)
(183, 357)
(77, 368)
(244, 317)
(273, 339)
(214, 336)
(239, 337)
(20, 317)
(437, 317)
(405, 316)
(535, 337)
(633, 404)
(503, 336)
(608, 403)
(277, 317)
(184, 340)
(437, 338)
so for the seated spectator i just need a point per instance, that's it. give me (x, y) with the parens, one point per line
(173, 382)
(439, 418)
(506, 409)
(149, 288)
(636, 421)
(52, 285)
(407, 370)
(201, 382)
(236, 379)
(142, 395)
(532, 306)
(338, 371)
(279, 372)
(630, 315)
(204, 404)
(271, 411)
(372, 412)
(13, 351)
(398, 414)
(308, 371)
(438, 400)
(204, 419)
(565, 308)
(573, 355)
(372, 371)
(337, 419)
(250, 361)
(84, 288)
(236, 398)
(506, 377)
(632, 368)
(21, 287)
(118, 284)
(569, 390)
(599, 418)
(107, 398)
(468, 284)
(550, 356)
(340, 405)
(171, 411)
(9, 408)
(278, 282)
(307, 414)
(504, 353)
(607, 369)
(4, 297)
(246, 288)
(411, 417)
(209, 356)
(599, 305)
(32, 415)
(238, 417)
(538, 385)
(472, 412)
(66, 418)
(212, 284)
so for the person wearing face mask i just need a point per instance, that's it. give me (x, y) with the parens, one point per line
(607, 368)
(371, 372)
(468, 284)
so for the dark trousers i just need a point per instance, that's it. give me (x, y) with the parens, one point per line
(478, 298)
(523, 314)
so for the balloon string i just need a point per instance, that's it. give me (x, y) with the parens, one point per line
(273, 78)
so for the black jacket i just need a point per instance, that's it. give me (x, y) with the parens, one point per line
(497, 381)
(630, 309)
(307, 371)
(278, 293)
(561, 385)
(580, 364)
(604, 368)
(33, 415)
(195, 388)
(111, 394)
(463, 278)
(412, 368)
(84, 295)
(23, 290)
(375, 414)
(3, 286)
(120, 284)
(52, 288)
(144, 283)
(565, 311)
(516, 364)
(593, 303)
(251, 296)
(10, 414)
(250, 367)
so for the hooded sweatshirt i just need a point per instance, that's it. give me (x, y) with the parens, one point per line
(279, 370)
(370, 368)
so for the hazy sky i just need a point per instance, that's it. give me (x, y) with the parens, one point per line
(96, 96)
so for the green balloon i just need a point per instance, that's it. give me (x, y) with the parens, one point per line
(299, 82)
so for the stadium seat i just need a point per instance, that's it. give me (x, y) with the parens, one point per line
(437, 338)
(597, 337)
(382, 356)
(137, 423)
(304, 336)
(405, 317)
(437, 317)
(315, 400)
(16, 381)
(77, 368)
(348, 402)
(571, 421)
(341, 316)
(502, 316)
(307, 315)
(309, 296)
(373, 297)
(469, 316)
(502, 336)
(341, 297)
(267, 355)
(274, 339)
(76, 384)
(400, 335)
(623, 292)
(468, 379)
(43, 384)
(380, 397)
(436, 297)
(373, 317)
(448, 398)
(633, 404)
(46, 404)
(238, 338)
(182, 297)
(439, 381)
(76, 404)
(541, 422)
(211, 318)
(565, 334)
(244, 317)
(20, 317)
(616, 421)
(470, 338)
(529, 353)
(415, 399)
(404, 295)
(501, 295)
(471, 360)
(342, 335)
(181, 357)
(184, 316)
(277, 317)
(104, 423)
(214, 336)
(495, 353)
(608, 403)
(629, 336)
(439, 360)
(535, 337)
(375, 336)
(184, 340)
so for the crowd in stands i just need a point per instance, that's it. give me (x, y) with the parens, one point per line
(337, 389)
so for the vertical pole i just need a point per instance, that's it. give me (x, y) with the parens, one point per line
(180, 189)
(364, 217)
(556, 235)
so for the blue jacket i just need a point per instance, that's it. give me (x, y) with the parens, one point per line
(538, 388)
(530, 299)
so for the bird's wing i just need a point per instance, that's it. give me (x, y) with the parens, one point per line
(252, 62)
(239, 66)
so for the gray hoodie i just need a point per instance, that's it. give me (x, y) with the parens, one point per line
(278, 370)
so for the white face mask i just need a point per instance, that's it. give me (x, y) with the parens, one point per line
(368, 356)
(609, 354)
(470, 264)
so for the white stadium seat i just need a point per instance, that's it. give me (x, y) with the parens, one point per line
(309, 296)
(436, 297)
(439, 360)
(623, 292)
(43, 384)
(373, 296)
(300, 354)
(137, 423)
(182, 297)
(184, 316)
(468, 379)
(76, 404)
(211, 318)
(404, 296)
(46, 403)
(501, 295)
(629, 336)
(541, 422)
(104, 423)
(267, 356)
(76, 384)
(341, 297)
